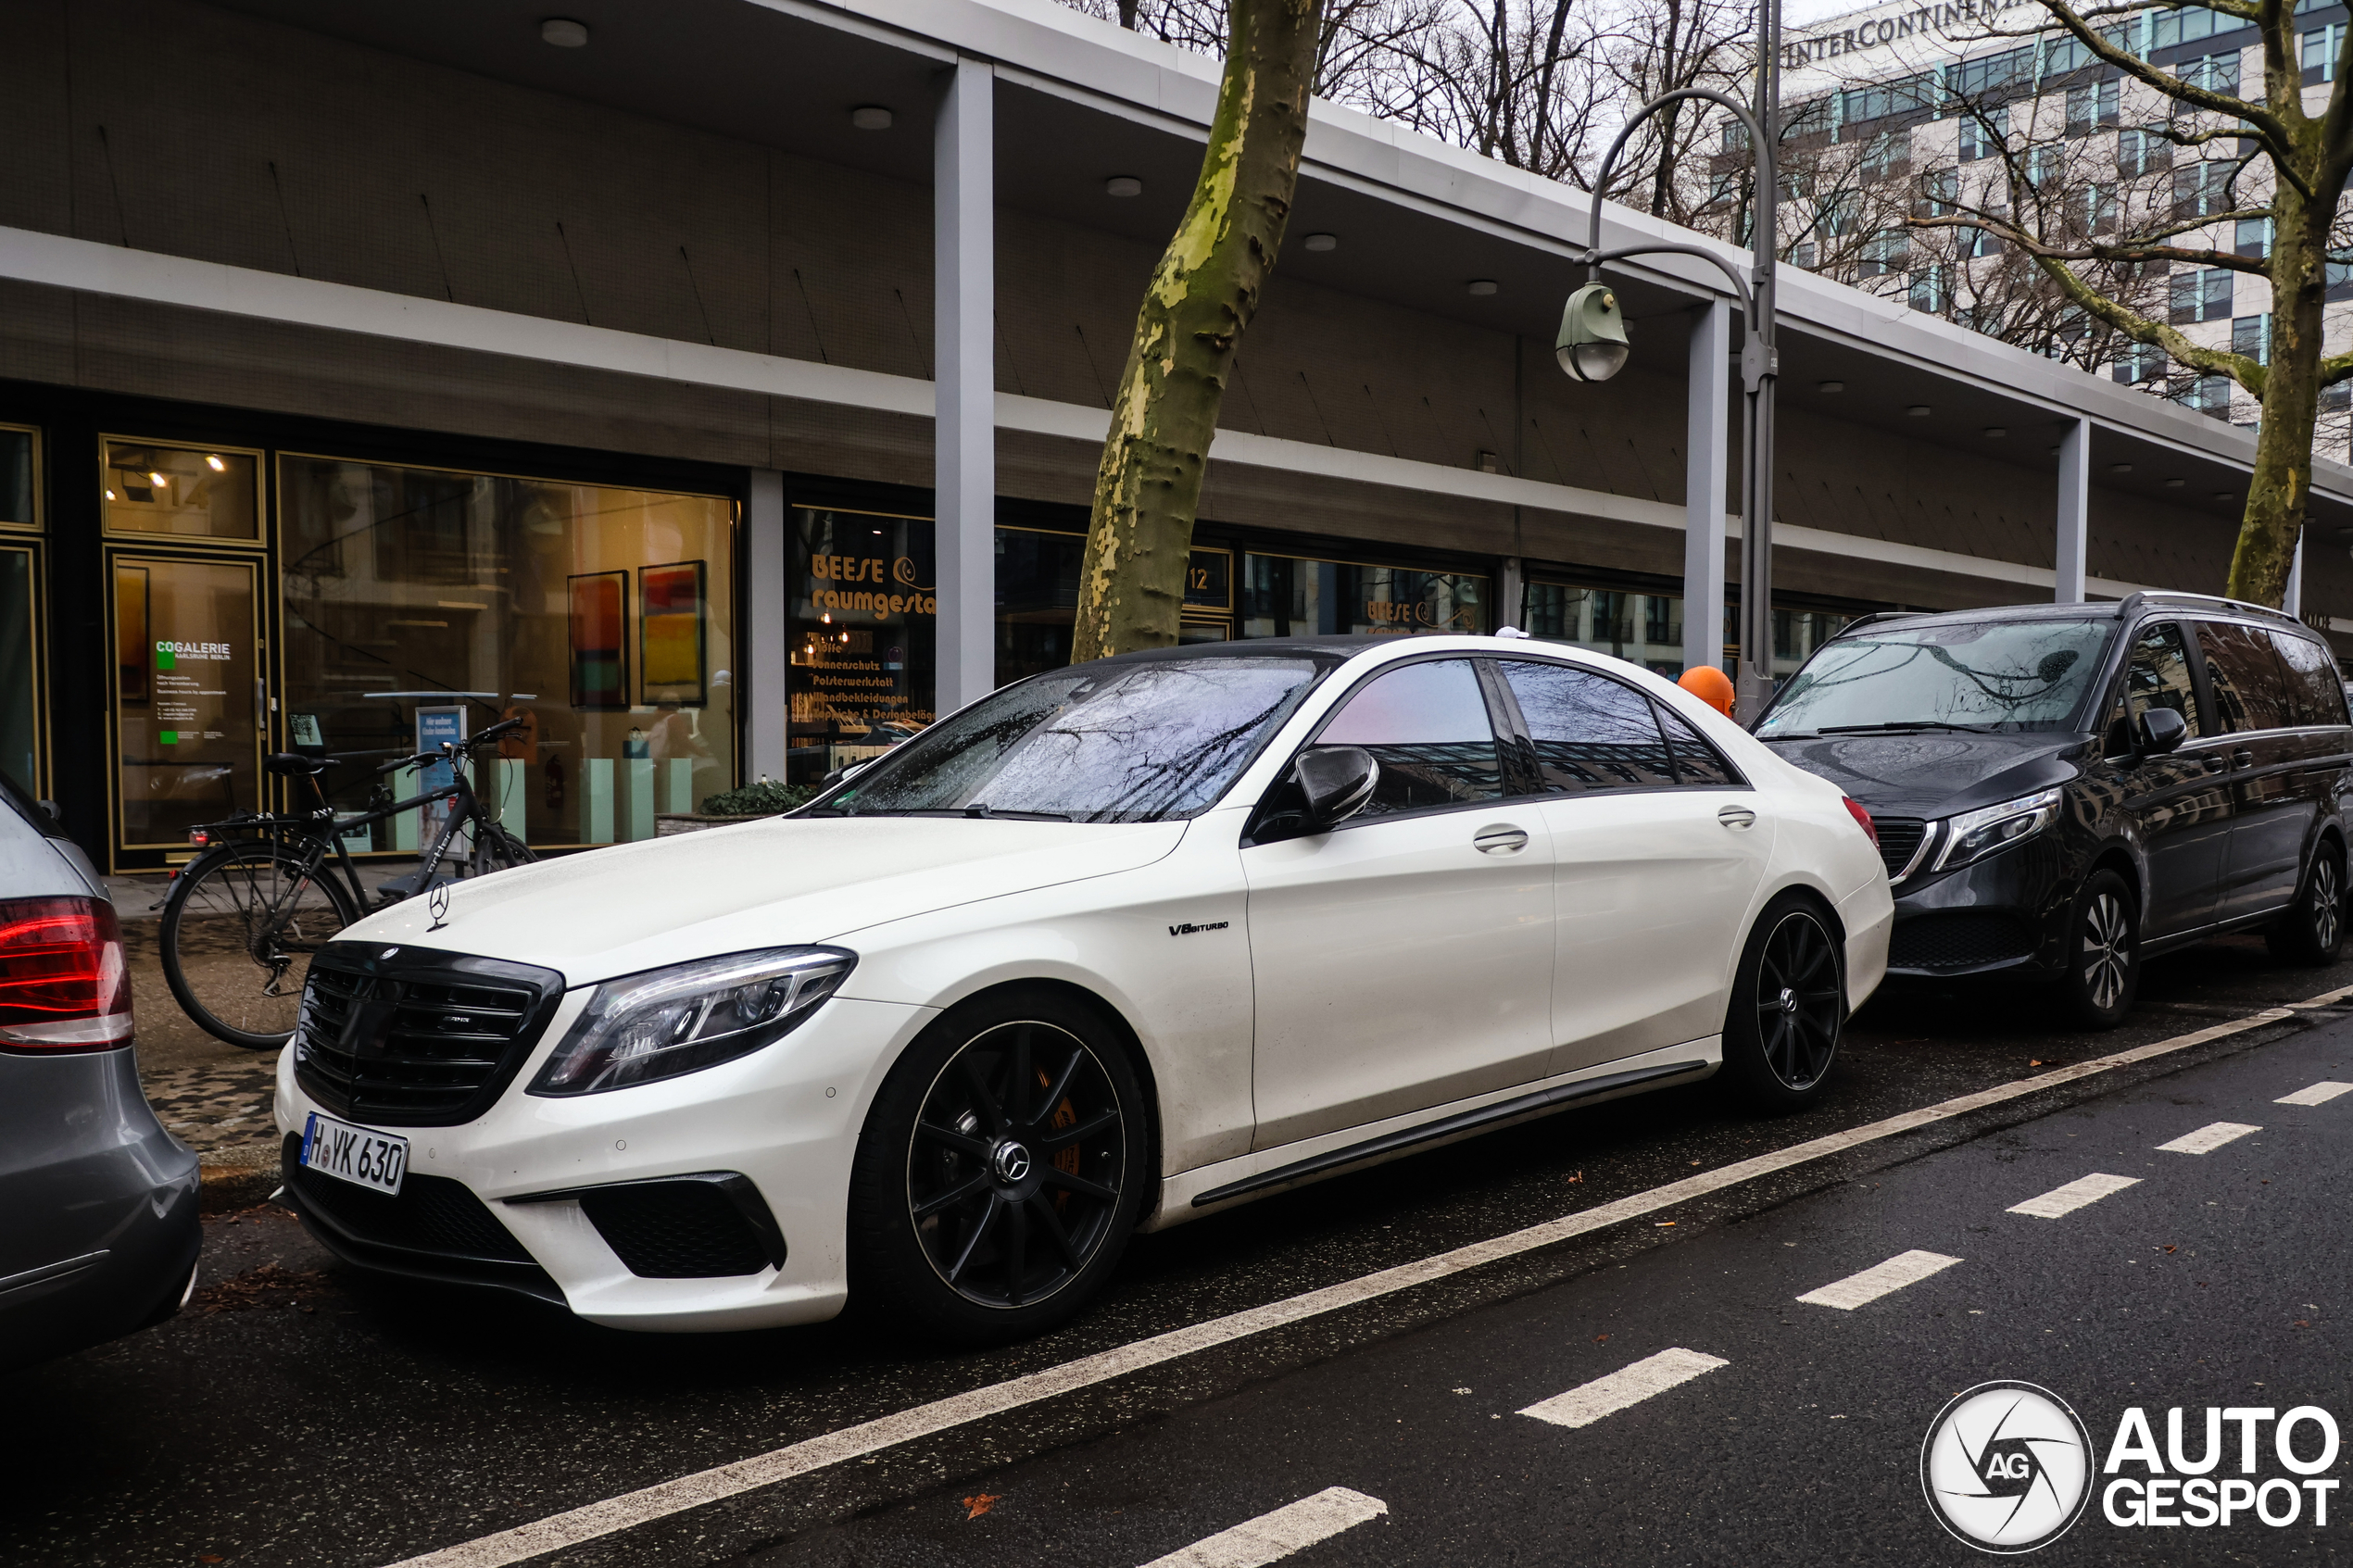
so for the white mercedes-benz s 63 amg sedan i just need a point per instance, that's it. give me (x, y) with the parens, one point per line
(1118, 946)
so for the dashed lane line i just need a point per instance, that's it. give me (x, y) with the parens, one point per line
(2074, 1196)
(2208, 1138)
(2319, 1093)
(1880, 1279)
(664, 1498)
(1272, 1536)
(1588, 1402)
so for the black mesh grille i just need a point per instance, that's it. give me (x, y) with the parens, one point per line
(418, 1037)
(432, 1214)
(1899, 840)
(676, 1230)
(1958, 941)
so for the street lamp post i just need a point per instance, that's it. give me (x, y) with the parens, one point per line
(1593, 347)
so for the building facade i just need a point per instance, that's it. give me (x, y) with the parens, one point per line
(721, 393)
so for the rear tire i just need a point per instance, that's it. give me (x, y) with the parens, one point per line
(1000, 1172)
(496, 849)
(237, 933)
(1789, 1007)
(2103, 953)
(2312, 931)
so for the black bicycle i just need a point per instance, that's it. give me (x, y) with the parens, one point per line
(244, 916)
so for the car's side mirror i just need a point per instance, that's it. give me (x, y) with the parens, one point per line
(54, 815)
(2161, 731)
(1337, 782)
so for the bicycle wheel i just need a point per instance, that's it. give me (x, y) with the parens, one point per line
(496, 849)
(238, 931)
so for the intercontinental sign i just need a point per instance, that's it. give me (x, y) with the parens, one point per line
(1957, 21)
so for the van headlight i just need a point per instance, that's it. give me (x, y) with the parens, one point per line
(666, 1022)
(1972, 836)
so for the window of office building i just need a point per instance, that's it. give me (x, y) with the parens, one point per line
(1298, 595)
(422, 603)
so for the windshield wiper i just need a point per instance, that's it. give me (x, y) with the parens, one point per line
(1901, 724)
(979, 809)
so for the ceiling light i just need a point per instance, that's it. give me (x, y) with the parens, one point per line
(215, 464)
(1482, 286)
(1995, 432)
(109, 495)
(563, 33)
(1919, 410)
(2120, 468)
(870, 117)
(158, 481)
(1123, 186)
(2175, 483)
(1830, 386)
(1322, 241)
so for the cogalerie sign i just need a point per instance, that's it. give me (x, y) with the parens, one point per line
(2174, 1487)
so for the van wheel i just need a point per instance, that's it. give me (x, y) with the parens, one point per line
(2312, 931)
(1789, 1008)
(2103, 953)
(1000, 1172)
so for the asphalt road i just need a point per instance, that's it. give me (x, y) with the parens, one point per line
(300, 1414)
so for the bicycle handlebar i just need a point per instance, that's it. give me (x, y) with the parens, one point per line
(447, 748)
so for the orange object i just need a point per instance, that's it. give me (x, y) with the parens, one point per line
(1711, 686)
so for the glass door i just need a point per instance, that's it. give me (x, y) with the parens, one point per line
(188, 734)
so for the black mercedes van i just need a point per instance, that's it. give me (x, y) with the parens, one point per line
(2062, 791)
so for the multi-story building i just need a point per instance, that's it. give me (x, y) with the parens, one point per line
(1902, 111)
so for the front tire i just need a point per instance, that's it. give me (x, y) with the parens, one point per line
(2312, 931)
(1000, 1172)
(2103, 953)
(1789, 1007)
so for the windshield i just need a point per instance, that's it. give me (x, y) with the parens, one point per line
(2003, 675)
(1132, 743)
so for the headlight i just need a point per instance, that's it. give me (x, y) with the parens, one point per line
(1972, 836)
(690, 1016)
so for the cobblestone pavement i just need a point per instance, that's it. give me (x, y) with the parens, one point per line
(213, 1097)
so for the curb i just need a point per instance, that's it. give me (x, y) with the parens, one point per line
(230, 1179)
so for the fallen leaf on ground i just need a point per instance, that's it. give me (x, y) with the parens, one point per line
(2034, 1064)
(1599, 1337)
(1666, 1224)
(1579, 1177)
(980, 1504)
(2168, 1250)
(269, 1284)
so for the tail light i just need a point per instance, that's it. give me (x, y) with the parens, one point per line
(63, 983)
(1862, 818)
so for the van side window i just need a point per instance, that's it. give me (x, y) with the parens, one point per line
(2157, 676)
(1589, 732)
(2316, 694)
(2248, 692)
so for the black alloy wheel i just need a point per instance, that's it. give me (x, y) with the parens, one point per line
(2103, 953)
(1789, 1007)
(2312, 931)
(1015, 1138)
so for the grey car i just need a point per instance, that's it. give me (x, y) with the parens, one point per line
(98, 1224)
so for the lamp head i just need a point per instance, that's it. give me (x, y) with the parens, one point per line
(1592, 344)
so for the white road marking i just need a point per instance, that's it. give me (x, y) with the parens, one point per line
(663, 1499)
(1587, 1403)
(1880, 1279)
(1270, 1537)
(2319, 1093)
(2208, 1138)
(2074, 1196)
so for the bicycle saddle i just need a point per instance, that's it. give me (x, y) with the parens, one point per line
(293, 765)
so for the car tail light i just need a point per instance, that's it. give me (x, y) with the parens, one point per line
(1854, 810)
(63, 983)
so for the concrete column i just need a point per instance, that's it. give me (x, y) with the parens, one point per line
(1706, 469)
(964, 299)
(2074, 510)
(1511, 596)
(760, 643)
(2291, 601)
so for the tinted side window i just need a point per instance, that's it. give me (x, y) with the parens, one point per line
(2315, 695)
(2158, 676)
(1696, 762)
(1427, 725)
(2249, 693)
(1589, 732)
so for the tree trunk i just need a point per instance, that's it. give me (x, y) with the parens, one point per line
(1199, 301)
(2283, 479)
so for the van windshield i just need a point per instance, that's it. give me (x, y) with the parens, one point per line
(1995, 675)
(1119, 742)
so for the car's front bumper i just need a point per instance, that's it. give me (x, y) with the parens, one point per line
(787, 1117)
(2005, 915)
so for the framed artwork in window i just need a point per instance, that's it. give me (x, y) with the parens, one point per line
(599, 641)
(672, 645)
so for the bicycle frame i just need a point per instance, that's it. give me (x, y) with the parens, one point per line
(322, 832)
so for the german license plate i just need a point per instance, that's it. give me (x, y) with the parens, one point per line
(358, 1155)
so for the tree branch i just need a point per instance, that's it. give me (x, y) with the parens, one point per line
(2140, 329)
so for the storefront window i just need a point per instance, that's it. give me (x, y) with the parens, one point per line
(19, 672)
(20, 473)
(1647, 628)
(420, 602)
(187, 737)
(864, 620)
(194, 491)
(1294, 596)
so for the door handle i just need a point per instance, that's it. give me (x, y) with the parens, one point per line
(2242, 757)
(2215, 764)
(1499, 838)
(1736, 817)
